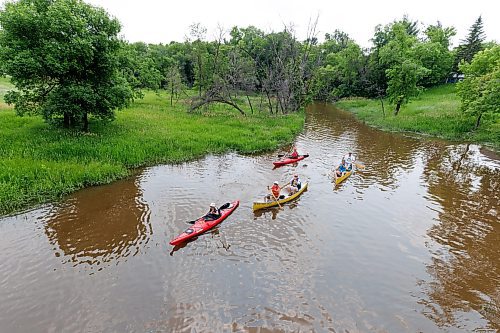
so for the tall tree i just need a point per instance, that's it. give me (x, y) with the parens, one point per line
(199, 48)
(404, 69)
(62, 58)
(470, 45)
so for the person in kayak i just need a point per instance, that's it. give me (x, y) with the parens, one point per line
(275, 192)
(213, 213)
(295, 184)
(294, 153)
(349, 159)
(341, 169)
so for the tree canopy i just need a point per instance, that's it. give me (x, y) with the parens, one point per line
(62, 57)
(480, 90)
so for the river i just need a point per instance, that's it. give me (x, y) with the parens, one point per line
(409, 244)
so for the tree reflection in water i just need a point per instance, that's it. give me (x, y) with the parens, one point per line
(466, 262)
(101, 224)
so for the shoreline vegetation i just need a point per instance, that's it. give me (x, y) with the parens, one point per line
(435, 112)
(40, 163)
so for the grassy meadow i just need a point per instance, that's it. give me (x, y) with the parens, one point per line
(40, 163)
(435, 112)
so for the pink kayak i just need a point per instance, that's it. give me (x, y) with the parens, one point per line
(201, 225)
(289, 160)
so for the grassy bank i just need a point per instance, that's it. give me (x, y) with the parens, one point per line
(39, 163)
(435, 112)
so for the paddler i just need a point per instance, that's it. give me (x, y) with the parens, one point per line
(213, 213)
(275, 192)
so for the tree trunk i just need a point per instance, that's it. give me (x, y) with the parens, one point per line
(199, 75)
(171, 94)
(269, 101)
(478, 121)
(383, 109)
(398, 106)
(85, 122)
(250, 103)
(217, 100)
(67, 120)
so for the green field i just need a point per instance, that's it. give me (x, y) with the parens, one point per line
(435, 112)
(40, 163)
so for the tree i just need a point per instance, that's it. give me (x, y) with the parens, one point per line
(404, 70)
(402, 85)
(480, 90)
(62, 58)
(174, 83)
(472, 44)
(199, 47)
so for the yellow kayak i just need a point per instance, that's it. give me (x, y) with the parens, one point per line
(344, 177)
(260, 205)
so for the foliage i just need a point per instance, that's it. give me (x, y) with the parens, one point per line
(67, 65)
(342, 73)
(480, 90)
(434, 54)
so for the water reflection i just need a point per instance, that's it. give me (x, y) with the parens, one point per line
(466, 263)
(100, 224)
(385, 155)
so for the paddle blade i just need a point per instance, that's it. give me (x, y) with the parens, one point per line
(281, 155)
(359, 166)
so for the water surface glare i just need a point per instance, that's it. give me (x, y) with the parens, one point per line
(410, 244)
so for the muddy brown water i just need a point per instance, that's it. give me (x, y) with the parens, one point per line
(410, 244)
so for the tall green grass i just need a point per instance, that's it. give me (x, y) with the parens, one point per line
(435, 112)
(39, 163)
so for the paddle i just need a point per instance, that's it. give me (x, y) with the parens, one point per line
(276, 200)
(359, 166)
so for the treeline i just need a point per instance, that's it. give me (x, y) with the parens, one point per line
(71, 64)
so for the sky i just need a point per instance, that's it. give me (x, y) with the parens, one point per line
(162, 21)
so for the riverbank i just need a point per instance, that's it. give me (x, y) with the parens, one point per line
(39, 163)
(435, 112)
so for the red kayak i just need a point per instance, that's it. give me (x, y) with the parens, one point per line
(201, 225)
(289, 160)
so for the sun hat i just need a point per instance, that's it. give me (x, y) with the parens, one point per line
(212, 204)
(276, 182)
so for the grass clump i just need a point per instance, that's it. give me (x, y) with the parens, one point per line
(39, 163)
(435, 112)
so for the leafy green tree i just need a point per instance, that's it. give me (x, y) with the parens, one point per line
(471, 45)
(402, 85)
(480, 90)
(404, 69)
(62, 56)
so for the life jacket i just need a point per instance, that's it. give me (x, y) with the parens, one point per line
(276, 190)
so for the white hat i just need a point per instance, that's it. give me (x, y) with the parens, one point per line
(212, 204)
(276, 182)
